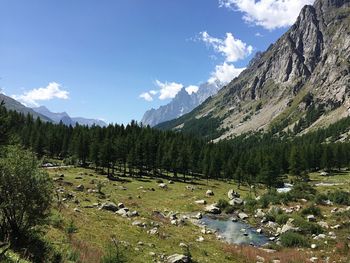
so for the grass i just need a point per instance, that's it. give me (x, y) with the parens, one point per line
(93, 228)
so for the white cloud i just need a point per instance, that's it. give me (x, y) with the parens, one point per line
(231, 48)
(270, 14)
(192, 89)
(51, 91)
(146, 96)
(168, 90)
(258, 34)
(224, 73)
(153, 92)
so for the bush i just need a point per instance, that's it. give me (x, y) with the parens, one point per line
(25, 194)
(312, 210)
(320, 199)
(250, 204)
(303, 190)
(340, 197)
(291, 239)
(307, 227)
(281, 219)
(223, 204)
(113, 254)
(71, 228)
(271, 197)
(56, 220)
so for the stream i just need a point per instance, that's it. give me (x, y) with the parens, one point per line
(234, 232)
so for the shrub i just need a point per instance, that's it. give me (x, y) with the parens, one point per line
(340, 197)
(250, 204)
(25, 194)
(307, 227)
(56, 220)
(113, 254)
(320, 198)
(303, 190)
(281, 218)
(271, 197)
(312, 210)
(223, 204)
(291, 239)
(71, 228)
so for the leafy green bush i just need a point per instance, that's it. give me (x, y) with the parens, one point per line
(25, 194)
(303, 190)
(113, 254)
(250, 204)
(320, 198)
(340, 197)
(222, 204)
(281, 218)
(271, 197)
(312, 210)
(56, 220)
(291, 239)
(307, 227)
(71, 228)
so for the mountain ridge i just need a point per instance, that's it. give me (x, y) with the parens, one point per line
(305, 73)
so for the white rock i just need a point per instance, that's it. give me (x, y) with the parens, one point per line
(213, 209)
(243, 216)
(177, 258)
(200, 239)
(209, 193)
(201, 202)
(313, 246)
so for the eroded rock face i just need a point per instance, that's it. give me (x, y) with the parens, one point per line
(213, 209)
(312, 57)
(177, 258)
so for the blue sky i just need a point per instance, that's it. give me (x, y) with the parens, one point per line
(95, 58)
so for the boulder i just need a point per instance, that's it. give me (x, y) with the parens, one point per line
(199, 215)
(153, 231)
(80, 188)
(178, 258)
(259, 213)
(236, 201)
(200, 239)
(209, 193)
(201, 202)
(120, 205)
(110, 206)
(232, 194)
(213, 209)
(288, 227)
(311, 218)
(323, 224)
(163, 185)
(243, 216)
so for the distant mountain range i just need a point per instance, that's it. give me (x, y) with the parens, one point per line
(46, 115)
(12, 104)
(180, 105)
(66, 119)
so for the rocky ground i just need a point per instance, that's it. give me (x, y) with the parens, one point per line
(153, 220)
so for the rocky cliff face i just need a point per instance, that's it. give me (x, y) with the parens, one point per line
(180, 105)
(308, 68)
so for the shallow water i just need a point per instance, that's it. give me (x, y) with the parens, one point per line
(233, 232)
(285, 189)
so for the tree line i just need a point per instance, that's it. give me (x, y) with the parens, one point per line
(135, 150)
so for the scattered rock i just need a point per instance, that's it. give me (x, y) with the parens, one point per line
(177, 258)
(163, 186)
(323, 224)
(313, 259)
(80, 188)
(213, 209)
(190, 187)
(199, 216)
(243, 216)
(311, 218)
(201, 202)
(200, 239)
(110, 206)
(313, 246)
(209, 193)
(335, 227)
(236, 201)
(232, 194)
(259, 213)
(139, 224)
(121, 205)
(170, 182)
(153, 231)
(77, 210)
(183, 245)
(259, 231)
(260, 259)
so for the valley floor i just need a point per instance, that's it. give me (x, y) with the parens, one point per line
(82, 231)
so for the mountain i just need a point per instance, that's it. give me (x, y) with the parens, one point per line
(12, 104)
(180, 105)
(298, 84)
(66, 119)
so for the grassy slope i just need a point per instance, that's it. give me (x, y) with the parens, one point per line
(95, 227)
